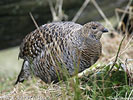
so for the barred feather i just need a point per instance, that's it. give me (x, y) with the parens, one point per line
(66, 43)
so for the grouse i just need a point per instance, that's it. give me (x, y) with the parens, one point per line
(60, 46)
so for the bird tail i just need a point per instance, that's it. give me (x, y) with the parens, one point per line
(20, 76)
(24, 73)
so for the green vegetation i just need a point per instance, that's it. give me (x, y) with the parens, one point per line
(101, 82)
(97, 85)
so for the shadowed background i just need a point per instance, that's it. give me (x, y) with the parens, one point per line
(15, 21)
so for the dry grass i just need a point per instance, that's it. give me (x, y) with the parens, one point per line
(110, 47)
(36, 89)
(87, 87)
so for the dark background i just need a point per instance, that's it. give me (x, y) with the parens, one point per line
(15, 21)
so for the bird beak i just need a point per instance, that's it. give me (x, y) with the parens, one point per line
(104, 30)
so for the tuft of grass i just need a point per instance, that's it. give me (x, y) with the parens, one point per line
(90, 87)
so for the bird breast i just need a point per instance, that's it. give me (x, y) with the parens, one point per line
(90, 53)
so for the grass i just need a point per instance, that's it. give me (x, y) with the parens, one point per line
(96, 84)
(91, 86)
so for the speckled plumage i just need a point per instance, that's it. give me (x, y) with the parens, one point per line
(57, 46)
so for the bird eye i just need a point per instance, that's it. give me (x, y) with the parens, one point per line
(94, 27)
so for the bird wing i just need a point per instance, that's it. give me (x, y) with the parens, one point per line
(53, 34)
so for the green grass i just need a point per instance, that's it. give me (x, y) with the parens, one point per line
(113, 86)
(94, 86)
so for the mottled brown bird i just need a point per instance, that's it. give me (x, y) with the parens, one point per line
(57, 46)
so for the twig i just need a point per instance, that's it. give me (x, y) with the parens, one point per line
(60, 8)
(41, 34)
(117, 15)
(131, 93)
(57, 13)
(116, 55)
(80, 10)
(54, 16)
(46, 45)
(129, 71)
(102, 14)
(123, 11)
(129, 3)
(117, 10)
(124, 50)
(128, 42)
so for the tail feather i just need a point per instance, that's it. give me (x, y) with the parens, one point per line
(24, 73)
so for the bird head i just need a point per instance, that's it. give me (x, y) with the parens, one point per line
(93, 30)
